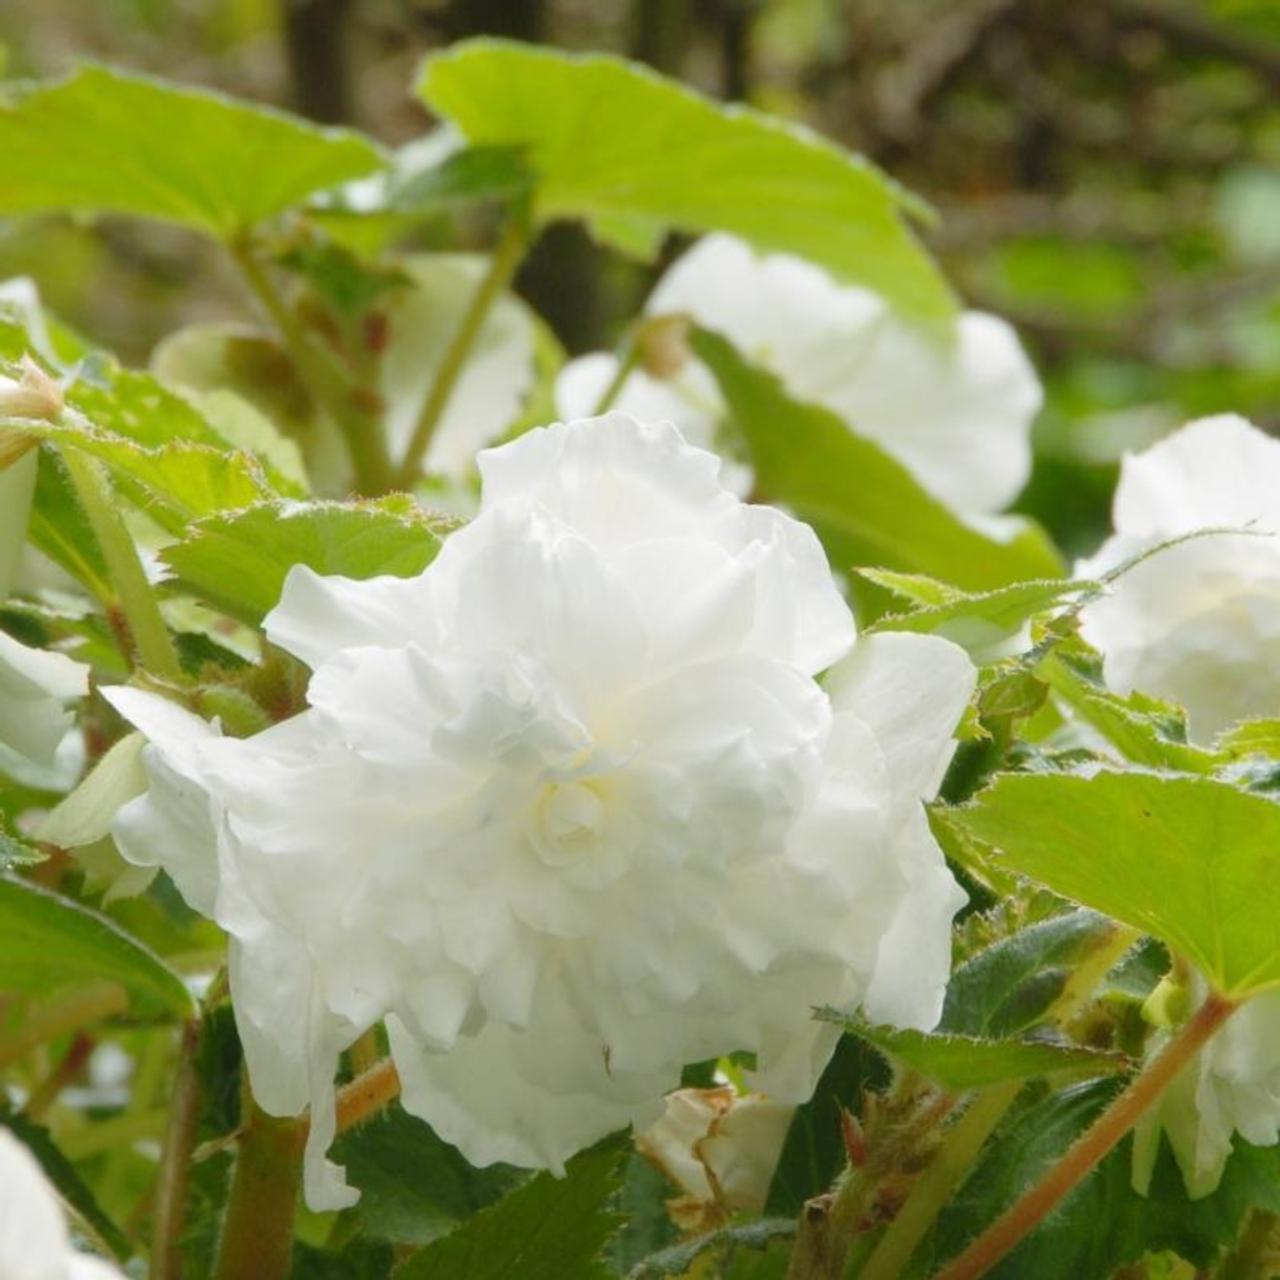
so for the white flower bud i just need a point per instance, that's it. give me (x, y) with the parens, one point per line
(720, 1147)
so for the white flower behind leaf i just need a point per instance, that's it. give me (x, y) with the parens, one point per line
(955, 409)
(720, 1148)
(1231, 1087)
(569, 810)
(34, 1241)
(1199, 622)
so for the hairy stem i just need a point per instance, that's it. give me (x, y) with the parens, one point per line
(149, 642)
(1031, 1208)
(964, 1142)
(257, 1237)
(175, 1161)
(366, 1094)
(502, 267)
(327, 382)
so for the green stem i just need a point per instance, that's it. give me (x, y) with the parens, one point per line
(148, 636)
(175, 1161)
(325, 379)
(946, 1171)
(1031, 1208)
(1257, 1251)
(626, 366)
(257, 1237)
(99, 999)
(966, 1138)
(502, 267)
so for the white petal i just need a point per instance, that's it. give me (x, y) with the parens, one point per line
(911, 690)
(319, 616)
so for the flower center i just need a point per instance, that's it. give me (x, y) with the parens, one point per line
(568, 820)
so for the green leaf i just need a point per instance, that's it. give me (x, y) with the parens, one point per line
(1103, 1224)
(174, 483)
(68, 1183)
(636, 155)
(723, 1246)
(1144, 731)
(47, 941)
(548, 1229)
(59, 528)
(238, 561)
(865, 505)
(1189, 860)
(16, 853)
(1010, 984)
(978, 620)
(964, 1062)
(414, 1186)
(104, 141)
(647, 1226)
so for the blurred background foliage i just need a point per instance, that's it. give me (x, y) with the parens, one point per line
(1106, 172)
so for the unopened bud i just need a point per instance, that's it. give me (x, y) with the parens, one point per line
(662, 345)
(34, 395)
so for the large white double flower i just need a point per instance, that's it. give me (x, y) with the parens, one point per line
(955, 409)
(570, 809)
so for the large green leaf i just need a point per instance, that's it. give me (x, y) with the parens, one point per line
(1190, 860)
(865, 505)
(47, 941)
(959, 1062)
(238, 561)
(635, 155)
(104, 141)
(414, 1187)
(549, 1229)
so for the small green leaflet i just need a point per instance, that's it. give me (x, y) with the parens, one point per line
(238, 561)
(1190, 860)
(637, 155)
(959, 1062)
(977, 620)
(549, 1229)
(864, 505)
(105, 141)
(48, 942)
(679, 1259)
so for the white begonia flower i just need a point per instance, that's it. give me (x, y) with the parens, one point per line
(955, 410)
(569, 809)
(720, 1147)
(1198, 623)
(34, 1242)
(1231, 1086)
